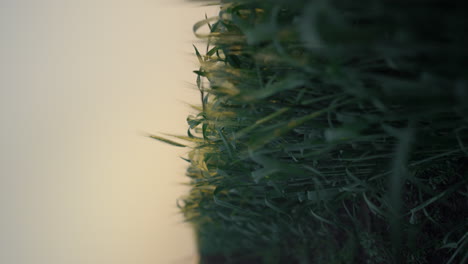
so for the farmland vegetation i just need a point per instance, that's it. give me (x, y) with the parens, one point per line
(330, 132)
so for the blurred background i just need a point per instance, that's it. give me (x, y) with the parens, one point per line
(80, 83)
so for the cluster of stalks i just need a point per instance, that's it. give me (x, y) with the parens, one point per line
(331, 132)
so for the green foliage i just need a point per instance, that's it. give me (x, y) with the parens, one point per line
(331, 132)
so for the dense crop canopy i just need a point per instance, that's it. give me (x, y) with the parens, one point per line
(332, 132)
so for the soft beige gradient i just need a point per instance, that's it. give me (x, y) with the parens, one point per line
(79, 82)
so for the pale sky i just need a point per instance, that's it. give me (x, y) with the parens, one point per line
(79, 82)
